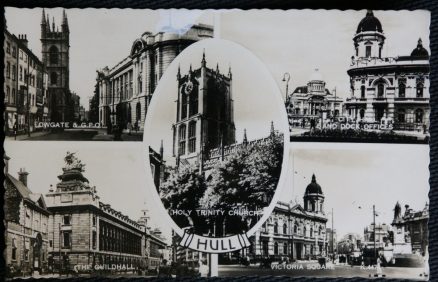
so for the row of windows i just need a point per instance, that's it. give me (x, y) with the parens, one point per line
(401, 90)
(296, 230)
(118, 240)
(183, 138)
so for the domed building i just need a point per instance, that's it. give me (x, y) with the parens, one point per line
(395, 89)
(313, 100)
(293, 231)
(125, 90)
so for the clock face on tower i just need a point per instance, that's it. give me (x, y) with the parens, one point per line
(189, 87)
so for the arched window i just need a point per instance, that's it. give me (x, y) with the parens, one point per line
(53, 55)
(304, 231)
(53, 78)
(284, 248)
(183, 106)
(380, 90)
(276, 228)
(193, 107)
(311, 232)
(192, 136)
(295, 229)
(401, 88)
(367, 51)
(275, 248)
(401, 115)
(182, 139)
(362, 113)
(362, 91)
(420, 87)
(284, 228)
(319, 231)
(419, 115)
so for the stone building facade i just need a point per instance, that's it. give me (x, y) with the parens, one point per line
(392, 88)
(293, 231)
(25, 87)
(125, 90)
(26, 226)
(85, 231)
(410, 230)
(313, 100)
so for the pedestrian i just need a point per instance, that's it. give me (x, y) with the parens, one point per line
(203, 269)
(378, 267)
(15, 128)
(129, 125)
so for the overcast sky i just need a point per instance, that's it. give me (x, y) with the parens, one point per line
(296, 41)
(353, 177)
(256, 97)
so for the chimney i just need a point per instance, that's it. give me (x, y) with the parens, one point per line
(6, 160)
(22, 176)
(23, 39)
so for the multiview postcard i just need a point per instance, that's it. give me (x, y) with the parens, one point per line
(249, 143)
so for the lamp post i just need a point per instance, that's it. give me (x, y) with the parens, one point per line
(286, 78)
(374, 231)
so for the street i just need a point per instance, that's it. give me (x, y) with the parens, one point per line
(309, 269)
(94, 134)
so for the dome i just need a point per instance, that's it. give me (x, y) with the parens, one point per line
(316, 76)
(313, 187)
(369, 23)
(420, 51)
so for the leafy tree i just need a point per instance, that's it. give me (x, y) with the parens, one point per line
(181, 191)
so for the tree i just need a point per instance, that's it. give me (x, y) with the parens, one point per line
(181, 191)
(94, 107)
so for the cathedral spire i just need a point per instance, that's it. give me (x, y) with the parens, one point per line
(245, 139)
(178, 75)
(203, 62)
(229, 71)
(161, 149)
(272, 129)
(48, 23)
(64, 25)
(43, 17)
(53, 24)
(43, 23)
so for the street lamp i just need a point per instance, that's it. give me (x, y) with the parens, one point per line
(286, 78)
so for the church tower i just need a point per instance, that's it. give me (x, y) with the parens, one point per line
(369, 37)
(55, 57)
(314, 198)
(205, 115)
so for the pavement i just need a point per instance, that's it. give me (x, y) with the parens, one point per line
(312, 269)
(82, 134)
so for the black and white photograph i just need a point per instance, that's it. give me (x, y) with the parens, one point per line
(345, 212)
(219, 127)
(69, 78)
(66, 218)
(346, 76)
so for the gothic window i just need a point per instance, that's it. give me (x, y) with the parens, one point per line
(420, 89)
(193, 107)
(192, 136)
(401, 88)
(275, 248)
(53, 78)
(367, 51)
(401, 115)
(53, 55)
(183, 106)
(362, 91)
(419, 115)
(284, 228)
(182, 139)
(380, 90)
(276, 228)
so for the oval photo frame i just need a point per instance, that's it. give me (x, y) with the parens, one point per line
(252, 115)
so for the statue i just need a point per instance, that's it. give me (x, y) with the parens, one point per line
(72, 162)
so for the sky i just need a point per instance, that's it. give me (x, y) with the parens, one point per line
(353, 177)
(256, 97)
(295, 41)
